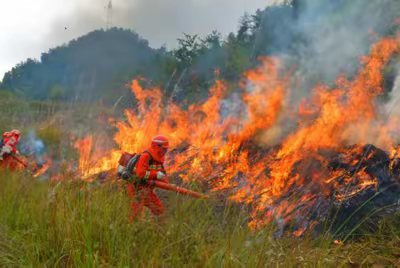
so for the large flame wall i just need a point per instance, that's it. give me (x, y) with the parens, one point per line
(204, 145)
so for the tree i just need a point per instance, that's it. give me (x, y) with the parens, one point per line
(188, 49)
(102, 62)
(86, 65)
(211, 41)
(238, 59)
(245, 26)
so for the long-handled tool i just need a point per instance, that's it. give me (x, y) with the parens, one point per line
(173, 187)
(33, 170)
(20, 161)
(125, 172)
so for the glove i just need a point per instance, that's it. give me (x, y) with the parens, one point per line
(144, 181)
(7, 149)
(160, 175)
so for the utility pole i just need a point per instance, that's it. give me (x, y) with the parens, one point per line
(109, 15)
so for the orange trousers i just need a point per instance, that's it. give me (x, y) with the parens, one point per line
(8, 162)
(144, 196)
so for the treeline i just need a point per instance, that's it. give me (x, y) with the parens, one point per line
(100, 64)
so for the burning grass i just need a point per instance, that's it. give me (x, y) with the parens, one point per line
(287, 181)
(75, 224)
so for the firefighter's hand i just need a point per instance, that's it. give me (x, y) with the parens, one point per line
(7, 149)
(160, 175)
(123, 173)
(151, 182)
(143, 181)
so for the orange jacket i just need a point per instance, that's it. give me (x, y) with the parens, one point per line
(147, 167)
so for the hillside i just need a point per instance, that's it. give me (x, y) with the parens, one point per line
(86, 67)
(98, 65)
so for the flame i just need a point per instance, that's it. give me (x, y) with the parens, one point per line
(338, 242)
(43, 169)
(205, 146)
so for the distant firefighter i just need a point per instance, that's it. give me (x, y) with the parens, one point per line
(8, 149)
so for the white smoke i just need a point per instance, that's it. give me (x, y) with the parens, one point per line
(393, 106)
(325, 40)
(336, 34)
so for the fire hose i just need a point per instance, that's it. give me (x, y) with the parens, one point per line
(33, 170)
(125, 172)
(173, 187)
(20, 161)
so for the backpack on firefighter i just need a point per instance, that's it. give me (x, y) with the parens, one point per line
(127, 167)
(2, 143)
(4, 149)
(4, 137)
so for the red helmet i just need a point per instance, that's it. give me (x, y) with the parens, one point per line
(15, 133)
(159, 147)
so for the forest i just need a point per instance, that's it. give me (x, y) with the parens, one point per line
(99, 65)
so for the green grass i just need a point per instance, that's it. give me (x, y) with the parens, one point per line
(76, 224)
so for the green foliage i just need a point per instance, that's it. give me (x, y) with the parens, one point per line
(5, 95)
(84, 67)
(238, 59)
(188, 49)
(52, 136)
(56, 92)
(100, 64)
(212, 41)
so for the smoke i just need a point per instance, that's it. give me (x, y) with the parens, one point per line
(393, 106)
(322, 40)
(326, 38)
(33, 147)
(233, 106)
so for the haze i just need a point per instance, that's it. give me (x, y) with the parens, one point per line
(29, 28)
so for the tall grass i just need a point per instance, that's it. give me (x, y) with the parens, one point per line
(77, 224)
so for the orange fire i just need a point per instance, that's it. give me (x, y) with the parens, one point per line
(205, 146)
(43, 169)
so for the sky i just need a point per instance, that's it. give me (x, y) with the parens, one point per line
(31, 27)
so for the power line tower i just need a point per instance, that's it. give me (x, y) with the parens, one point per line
(109, 15)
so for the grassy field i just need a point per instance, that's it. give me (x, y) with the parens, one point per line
(76, 224)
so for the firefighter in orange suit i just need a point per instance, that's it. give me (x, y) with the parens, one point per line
(149, 168)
